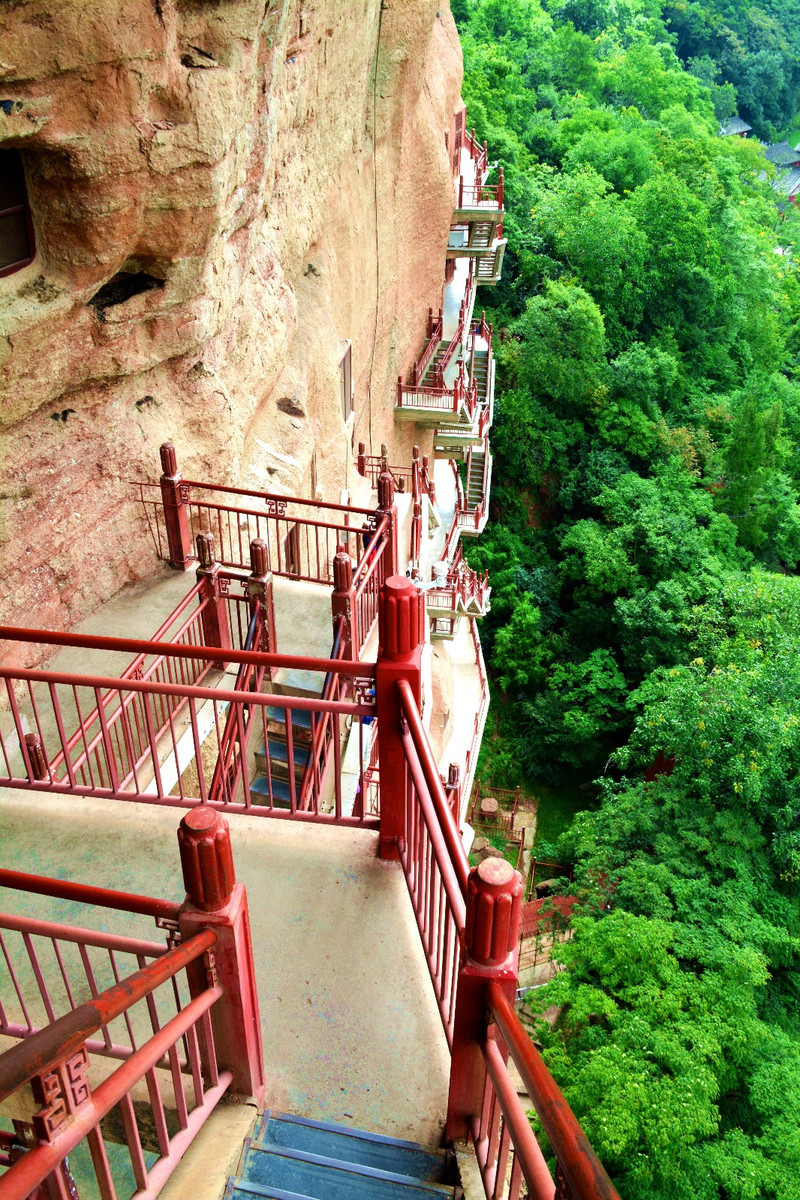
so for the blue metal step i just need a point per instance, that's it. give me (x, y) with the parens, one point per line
(281, 796)
(351, 1145)
(279, 759)
(278, 1171)
(300, 716)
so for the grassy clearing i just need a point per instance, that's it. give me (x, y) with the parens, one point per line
(792, 134)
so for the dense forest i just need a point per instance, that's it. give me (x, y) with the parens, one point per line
(643, 551)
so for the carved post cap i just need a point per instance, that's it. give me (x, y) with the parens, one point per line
(385, 490)
(169, 459)
(453, 774)
(205, 549)
(342, 571)
(206, 858)
(259, 551)
(36, 755)
(494, 900)
(398, 618)
(414, 453)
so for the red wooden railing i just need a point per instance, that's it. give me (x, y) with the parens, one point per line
(232, 759)
(370, 466)
(58, 1056)
(478, 153)
(87, 961)
(368, 579)
(484, 196)
(301, 536)
(191, 1018)
(468, 922)
(463, 394)
(147, 759)
(432, 345)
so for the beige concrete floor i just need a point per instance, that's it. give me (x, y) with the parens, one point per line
(350, 1025)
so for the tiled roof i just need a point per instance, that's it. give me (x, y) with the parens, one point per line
(782, 154)
(733, 126)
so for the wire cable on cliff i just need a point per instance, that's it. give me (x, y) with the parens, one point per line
(381, 11)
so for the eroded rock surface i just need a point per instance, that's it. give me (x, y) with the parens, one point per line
(224, 193)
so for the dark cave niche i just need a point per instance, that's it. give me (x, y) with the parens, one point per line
(121, 287)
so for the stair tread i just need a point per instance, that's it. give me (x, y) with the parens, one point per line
(331, 1179)
(351, 1145)
(279, 750)
(300, 716)
(281, 795)
(237, 1189)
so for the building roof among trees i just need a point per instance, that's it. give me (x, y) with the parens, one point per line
(782, 154)
(734, 126)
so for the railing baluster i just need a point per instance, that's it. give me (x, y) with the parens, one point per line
(134, 1142)
(64, 976)
(101, 1165)
(33, 958)
(157, 1105)
(25, 1014)
(177, 1086)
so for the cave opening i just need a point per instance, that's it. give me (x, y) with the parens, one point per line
(121, 287)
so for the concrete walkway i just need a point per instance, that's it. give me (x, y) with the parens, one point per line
(350, 1025)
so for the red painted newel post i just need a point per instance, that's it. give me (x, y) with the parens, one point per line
(216, 901)
(387, 508)
(494, 900)
(176, 510)
(342, 607)
(260, 592)
(399, 657)
(214, 616)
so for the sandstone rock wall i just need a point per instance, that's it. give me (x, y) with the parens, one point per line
(277, 174)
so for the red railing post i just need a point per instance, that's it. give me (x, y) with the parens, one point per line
(500, 189)
(399, 657)
(491, 935)
(176, 509)
(260, 591)
(214, 900)
(453, 790)
(342, 606)
(216, 631)
(387, 508)
(361, 466)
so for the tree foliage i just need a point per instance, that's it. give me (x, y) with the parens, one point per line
(643, 555)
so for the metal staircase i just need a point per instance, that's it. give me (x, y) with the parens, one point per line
(287, 748)
(293, 1158)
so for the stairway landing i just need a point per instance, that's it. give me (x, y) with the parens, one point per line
(292, 1158)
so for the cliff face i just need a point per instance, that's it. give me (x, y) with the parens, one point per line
(260, 182)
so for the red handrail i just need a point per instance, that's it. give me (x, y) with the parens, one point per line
(48, 637)
(64, 1036)
(455, 846)
(586, 1177)
(64, 889)
(274, 496)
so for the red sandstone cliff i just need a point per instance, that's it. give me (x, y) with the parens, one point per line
(281, 170)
